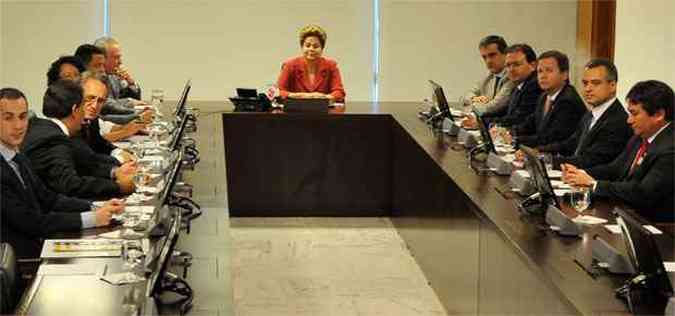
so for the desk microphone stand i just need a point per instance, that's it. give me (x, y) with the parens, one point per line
(482, 148)
(438, 117)
(533, 204)
(174, 284)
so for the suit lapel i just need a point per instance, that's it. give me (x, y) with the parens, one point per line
(600, 123)
(12, 180)
(547, 116)
(586, 134)
(539, 112)
(633, 146)
(604, 118)
(514, 100)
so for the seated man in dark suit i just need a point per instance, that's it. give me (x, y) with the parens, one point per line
(642, 176)
(95, 93)
(31, 212)
(558, 110)
(603, 132)
(64, 167)
(521, 63)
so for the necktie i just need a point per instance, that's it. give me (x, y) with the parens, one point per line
(494, 93)
(642, 151)
(514, 100)
(19, 168)
(547, 105)
(23, 164)
(585, 129)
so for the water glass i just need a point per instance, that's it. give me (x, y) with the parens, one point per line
(141, 179)
(157, 97)
(463, 102)
(137, 148)
(133, 257)
(195, 111)
(580, 198)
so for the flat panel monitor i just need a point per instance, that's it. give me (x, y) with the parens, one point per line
(643, 251)
(306, 105)
(441, 100)
(247, 93)
(180, 106)
(484, 132)
(535, 166)
(171, 179)
(178, 134)
(155, 282)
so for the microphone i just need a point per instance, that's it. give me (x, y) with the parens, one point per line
(435, 116)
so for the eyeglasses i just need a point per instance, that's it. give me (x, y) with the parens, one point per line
(514, 65)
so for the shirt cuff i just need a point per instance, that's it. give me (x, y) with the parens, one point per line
(112, 172)
(117, 153)
(88, 219)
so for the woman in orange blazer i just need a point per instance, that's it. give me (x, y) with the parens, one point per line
(311, 75)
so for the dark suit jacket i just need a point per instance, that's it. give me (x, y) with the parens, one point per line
(65, 167)
(600, 145)
(293, 78)
(522, 103)
(90, 136)
(650, 187)
(560, 122)
(32, 213)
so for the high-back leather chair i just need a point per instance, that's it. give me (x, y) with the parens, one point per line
(8, 282)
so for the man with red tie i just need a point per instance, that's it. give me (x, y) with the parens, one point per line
(642, 176)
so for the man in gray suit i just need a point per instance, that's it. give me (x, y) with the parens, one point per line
(493, 91)
(124, 93)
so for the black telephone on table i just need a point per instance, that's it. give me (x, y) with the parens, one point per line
(249, 100)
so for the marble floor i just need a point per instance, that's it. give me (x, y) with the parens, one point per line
(325, 266)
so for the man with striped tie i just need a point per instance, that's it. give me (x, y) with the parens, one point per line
(642, 176)
(30, 211)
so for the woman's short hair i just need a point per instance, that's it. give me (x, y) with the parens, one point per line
(55, 68)
(313, 30)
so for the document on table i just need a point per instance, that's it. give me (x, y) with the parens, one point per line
(669, 265)
(80, 248)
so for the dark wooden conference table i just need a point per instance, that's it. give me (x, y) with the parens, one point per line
(480, 254)
(73, 286)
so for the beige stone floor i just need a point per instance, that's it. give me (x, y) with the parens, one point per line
(325, 266)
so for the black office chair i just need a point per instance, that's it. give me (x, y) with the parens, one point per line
(8, 282)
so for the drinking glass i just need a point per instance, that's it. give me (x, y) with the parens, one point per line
(157, 97)
(580, 198)
(132, 254)
(141, 179)
(137, 148)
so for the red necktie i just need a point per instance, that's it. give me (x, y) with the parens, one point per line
(638, 157)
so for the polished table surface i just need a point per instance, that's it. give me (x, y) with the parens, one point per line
(450, 217)
(479, 253)
(82, 293)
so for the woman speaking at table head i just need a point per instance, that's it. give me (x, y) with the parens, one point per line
(311, 75)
